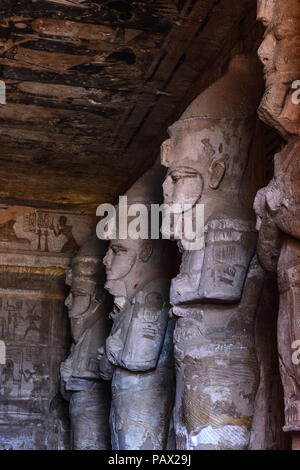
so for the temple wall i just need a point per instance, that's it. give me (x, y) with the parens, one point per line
(34, 327)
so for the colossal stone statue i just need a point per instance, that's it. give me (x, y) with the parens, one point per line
(215, 296)
(138, 351)
(278, 205)
(89, 305)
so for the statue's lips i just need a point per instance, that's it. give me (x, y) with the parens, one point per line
(269, 76)
(115, 288)
(108, 285)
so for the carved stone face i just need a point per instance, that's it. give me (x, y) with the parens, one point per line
(183, 185)
(279, 54)
(78, 300)
(120, 258)
(125, 268)
(276, 53)
(205, 160)
(81, 302)
(196, 158)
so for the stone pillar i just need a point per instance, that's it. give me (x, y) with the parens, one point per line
(138, 355)
(89, 305)
(215, 296)
(278, 205)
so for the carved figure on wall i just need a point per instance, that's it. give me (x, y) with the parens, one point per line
(138, 352)
(11, 323)
(8, 380)
(66, 230)
(8, 235)
(88, 305)
(216, 293)
(32, 318)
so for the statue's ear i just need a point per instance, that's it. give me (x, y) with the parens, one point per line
(145, 251)
(216, 173)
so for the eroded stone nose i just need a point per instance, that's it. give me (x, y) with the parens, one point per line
(265, 51)
(107, 260)
(68, 301)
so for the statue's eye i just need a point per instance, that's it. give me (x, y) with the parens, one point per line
(78, 293)
(177, 177)
(118, 249)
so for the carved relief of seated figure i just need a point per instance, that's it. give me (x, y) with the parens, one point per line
(89, 305)
(9, 237)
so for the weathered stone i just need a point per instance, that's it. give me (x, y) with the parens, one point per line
(33, 326)
(89, 305)
(279, 53)
(138, 352)
(277, 205)
(215, 296)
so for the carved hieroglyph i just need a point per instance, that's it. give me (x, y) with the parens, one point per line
(215, 295)
(89, 305)
(278, 205)
(32, 413)
(138, 351)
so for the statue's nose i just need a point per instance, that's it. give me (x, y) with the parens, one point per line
(107, 260)
(265, 51)
(68, 301)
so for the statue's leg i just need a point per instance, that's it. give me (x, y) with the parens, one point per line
(217, 376)
(140, 414)
(181, 434)
(89, 413)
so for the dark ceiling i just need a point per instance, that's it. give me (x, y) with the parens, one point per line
(92, 86)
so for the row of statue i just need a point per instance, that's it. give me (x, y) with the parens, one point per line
(171, 361)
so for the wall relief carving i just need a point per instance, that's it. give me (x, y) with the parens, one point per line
(34, 331)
